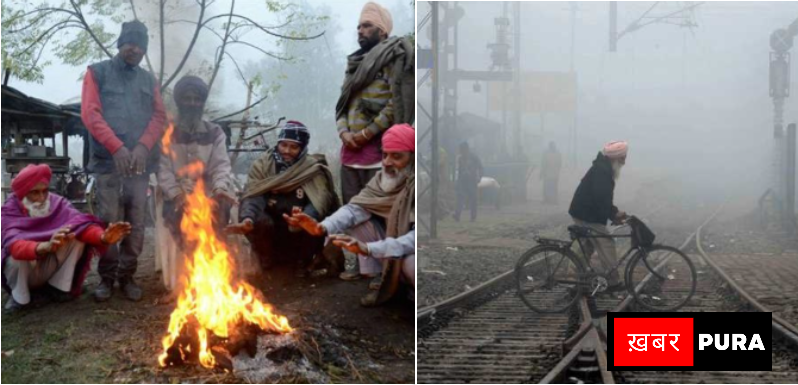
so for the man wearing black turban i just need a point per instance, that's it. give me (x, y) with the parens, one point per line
(192, 140)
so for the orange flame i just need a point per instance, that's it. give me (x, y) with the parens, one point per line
(211, 295)
(166, 141)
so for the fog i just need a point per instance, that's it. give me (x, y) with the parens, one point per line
(284, 82)
(692, 101)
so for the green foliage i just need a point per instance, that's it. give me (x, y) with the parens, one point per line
(83, 49)
(30, 30)
(79, 32)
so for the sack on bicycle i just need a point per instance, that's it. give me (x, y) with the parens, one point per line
(642, 236)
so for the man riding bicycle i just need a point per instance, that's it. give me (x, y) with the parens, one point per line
(592, 206)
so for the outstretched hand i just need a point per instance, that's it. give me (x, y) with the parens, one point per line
(305, 222)
(224, 196)
(59, 239)
(349, 243)
(245, 227)
(115, 232)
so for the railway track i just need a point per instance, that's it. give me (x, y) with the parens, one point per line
(716, 291)
(486, 335)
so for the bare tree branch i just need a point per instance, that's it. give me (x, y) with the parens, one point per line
(190, 47)
(79, 15)
(264, 29)
(238, 68)
(221, 53)
(40, 10)
(242, 110)
(259, 49)
(193, 22)
(34, 22)
(41, 50)
(53, 28)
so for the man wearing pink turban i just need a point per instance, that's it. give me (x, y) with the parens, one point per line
(379, 222)
(592, 206)
(47, 244)
(378, 92)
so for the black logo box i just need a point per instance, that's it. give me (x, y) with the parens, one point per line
(748, 323)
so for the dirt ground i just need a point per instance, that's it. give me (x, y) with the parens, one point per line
(469, 253)
(119, 341)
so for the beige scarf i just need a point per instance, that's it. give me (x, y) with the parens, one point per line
(398, 207)
(308, 173)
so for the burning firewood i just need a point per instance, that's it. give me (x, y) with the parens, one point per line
(216, 315)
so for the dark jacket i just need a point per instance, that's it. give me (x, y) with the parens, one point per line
(127, 95)
(469, 170)
(593, 198)
(275, 204)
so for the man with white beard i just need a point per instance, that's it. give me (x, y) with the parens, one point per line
(47, 243)
(593, 206)
(378, 224)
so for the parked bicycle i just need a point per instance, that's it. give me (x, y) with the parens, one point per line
(551, 277)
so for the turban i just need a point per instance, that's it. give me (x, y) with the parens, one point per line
(29, 177)
(187, 83)
(399, 138)
(616, 149)
(134, 32)
(378, 16)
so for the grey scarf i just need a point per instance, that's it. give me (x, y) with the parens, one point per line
(362, 68)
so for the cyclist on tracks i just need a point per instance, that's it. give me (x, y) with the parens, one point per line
(592, 206)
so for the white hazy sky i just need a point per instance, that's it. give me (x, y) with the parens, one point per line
(681, 97)
(61, 82)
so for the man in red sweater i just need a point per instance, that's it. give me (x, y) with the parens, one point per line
(47, 243)
(121, 107)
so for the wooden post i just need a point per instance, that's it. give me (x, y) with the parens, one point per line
(65, 142)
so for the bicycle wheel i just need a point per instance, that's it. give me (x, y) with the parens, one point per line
(548, 279)
(661, 278)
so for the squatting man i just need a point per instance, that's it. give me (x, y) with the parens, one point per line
(47, 243)
(378, 224)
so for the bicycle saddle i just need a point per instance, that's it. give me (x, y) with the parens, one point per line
(579, 231)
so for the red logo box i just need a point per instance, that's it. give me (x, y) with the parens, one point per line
(648, 333)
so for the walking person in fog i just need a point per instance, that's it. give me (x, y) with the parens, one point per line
(550, 173)
(469, 173)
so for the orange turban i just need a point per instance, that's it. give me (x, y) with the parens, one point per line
(378, 16)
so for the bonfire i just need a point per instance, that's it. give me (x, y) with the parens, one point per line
(216, 314)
